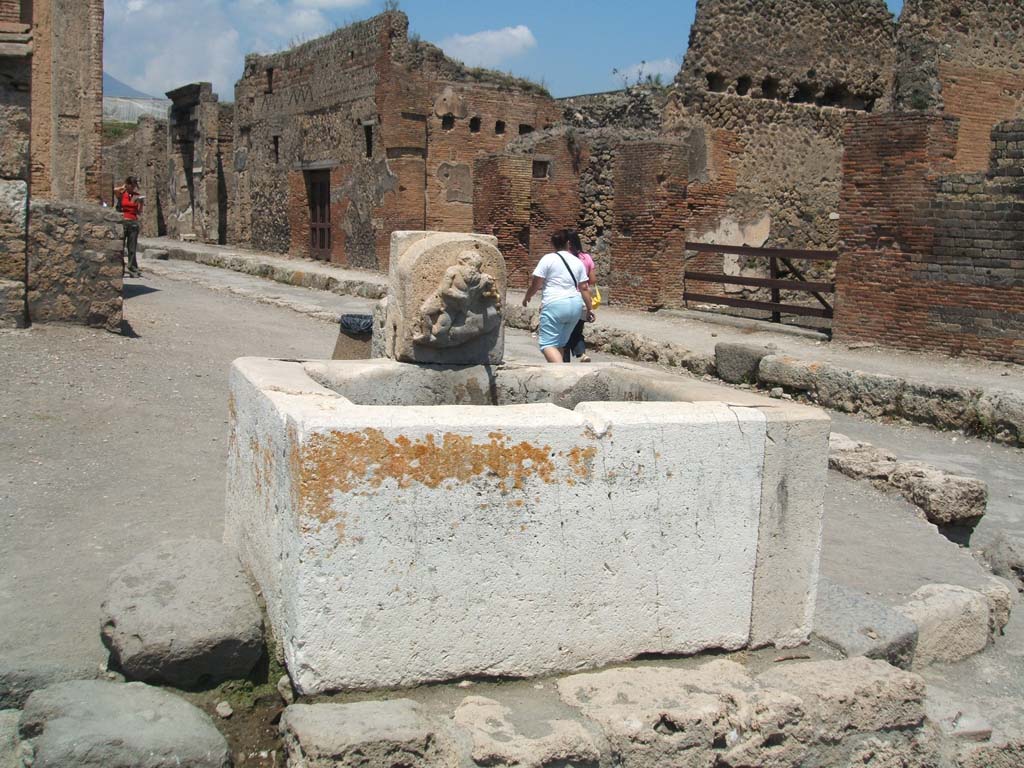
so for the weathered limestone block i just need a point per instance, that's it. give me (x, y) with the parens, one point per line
(12, 304)
(98, 724)
(953, 623)
(183, 614)
(1001, 415)
(75, 265)
(13, 210)
(497, 741)
(857, 695)
(946, 499)
(859, 460)
(446, 299)
(354, 486)
(718, 714)
(370, 734)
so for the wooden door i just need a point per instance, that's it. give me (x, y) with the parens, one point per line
(319, 185)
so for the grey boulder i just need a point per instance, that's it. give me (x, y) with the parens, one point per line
(183, 614)
(98, 724)
(738, 363)
(945, 498)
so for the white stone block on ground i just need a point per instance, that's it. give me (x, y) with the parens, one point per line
(183, 613)
(398, 544)
(97, 724)
(953, 623)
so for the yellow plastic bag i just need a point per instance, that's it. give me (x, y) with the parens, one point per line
(595, 298)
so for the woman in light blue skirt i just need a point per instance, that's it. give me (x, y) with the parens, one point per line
(565, 297)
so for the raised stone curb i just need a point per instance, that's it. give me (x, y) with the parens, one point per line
(856, 625)
(303, 274)
(994, 414)
(183, 614)
(96, 724)
(944, 498)
(738, 363)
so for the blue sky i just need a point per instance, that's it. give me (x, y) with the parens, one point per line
(156, 45)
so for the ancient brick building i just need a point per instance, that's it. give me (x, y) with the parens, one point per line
(964, 58)
(771, 85)
(59, 254)
(347, 138)
(933, 259)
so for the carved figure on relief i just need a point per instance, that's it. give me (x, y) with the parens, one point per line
(465, 306)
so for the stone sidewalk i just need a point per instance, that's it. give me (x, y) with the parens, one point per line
(978, 397)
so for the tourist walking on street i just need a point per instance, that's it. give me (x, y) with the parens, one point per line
(130, 203)
(577, 345)
(565, 295)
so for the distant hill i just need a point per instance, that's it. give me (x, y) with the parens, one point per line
(114, 87)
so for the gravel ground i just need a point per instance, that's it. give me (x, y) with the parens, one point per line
(110, 443)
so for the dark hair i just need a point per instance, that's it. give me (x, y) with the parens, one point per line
(574, 241)
(132, 180)
(559, 239)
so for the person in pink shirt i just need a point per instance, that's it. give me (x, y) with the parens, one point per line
(577, 345)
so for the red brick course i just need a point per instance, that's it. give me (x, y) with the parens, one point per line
(924, 265)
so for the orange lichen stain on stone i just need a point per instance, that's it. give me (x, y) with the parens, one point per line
(349, 461)
(581, 460)
(262, 464)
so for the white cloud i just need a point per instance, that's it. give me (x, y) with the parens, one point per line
(490, 47)
(331, 3)
(667, 69)
(157, 45)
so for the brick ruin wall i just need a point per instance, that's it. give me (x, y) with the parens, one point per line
(625, 191)
(143, 154)
(396, 134)
(67, 99)
(771, 85)
(966, 59)
(934, 259)
(60, 256)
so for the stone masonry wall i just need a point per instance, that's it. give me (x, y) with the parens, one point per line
(15, 127)
(75, 264)
(143, 154)
(966, 58)
(826, 52)
(933, 260)
(67, 99)
(199, 151)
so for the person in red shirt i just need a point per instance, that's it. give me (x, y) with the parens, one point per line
(130, 204)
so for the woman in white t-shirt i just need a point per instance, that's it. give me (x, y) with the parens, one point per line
(565, 293)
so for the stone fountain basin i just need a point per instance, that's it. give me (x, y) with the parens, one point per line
(409, 524)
